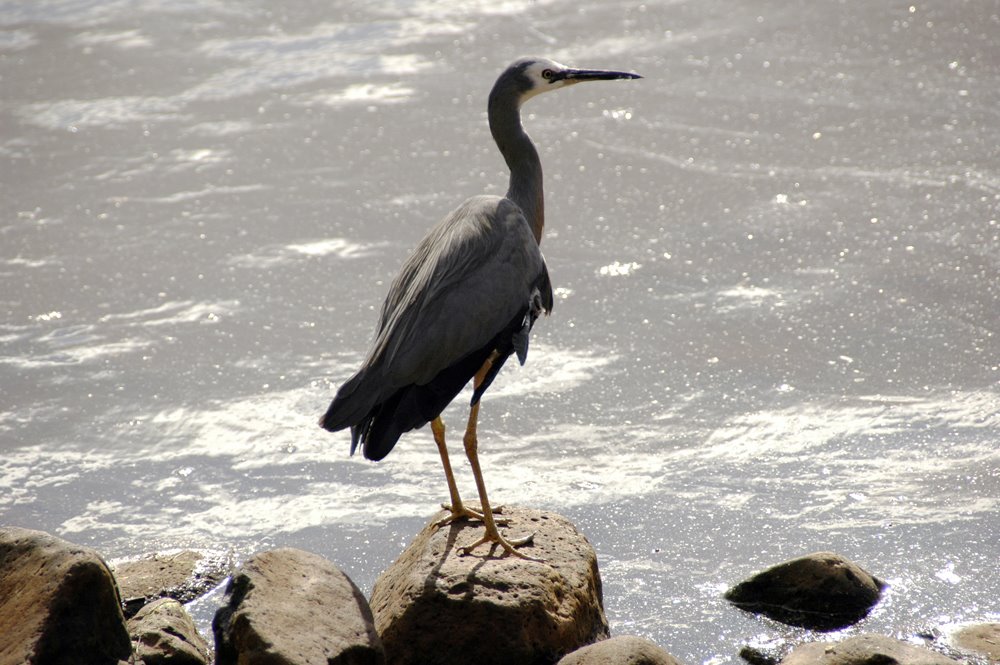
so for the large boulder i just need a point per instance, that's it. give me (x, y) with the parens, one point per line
(865, 650)
(622, 650)
(164, 634)
(58, 603)
(434, 605)
(821, 591)
(289, 607)
(183, 576)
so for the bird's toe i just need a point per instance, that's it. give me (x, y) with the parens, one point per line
(465, 513)
(508, 545)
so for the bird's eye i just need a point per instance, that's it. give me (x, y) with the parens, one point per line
(547, 74)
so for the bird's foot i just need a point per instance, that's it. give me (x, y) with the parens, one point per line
(463, 512)
(509, 546)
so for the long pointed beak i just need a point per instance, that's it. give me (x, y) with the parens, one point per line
(580, 75)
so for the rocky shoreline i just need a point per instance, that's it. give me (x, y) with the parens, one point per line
(61, 603)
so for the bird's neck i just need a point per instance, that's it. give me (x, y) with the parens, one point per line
(519, 152)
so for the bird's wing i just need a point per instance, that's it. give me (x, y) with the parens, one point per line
(463, 283)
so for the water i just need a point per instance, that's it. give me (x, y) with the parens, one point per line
(776, 324)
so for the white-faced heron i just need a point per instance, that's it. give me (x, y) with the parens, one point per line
(464, 301)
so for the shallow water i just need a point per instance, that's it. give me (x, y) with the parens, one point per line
(776, 260)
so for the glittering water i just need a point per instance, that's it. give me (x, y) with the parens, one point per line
(776, 260)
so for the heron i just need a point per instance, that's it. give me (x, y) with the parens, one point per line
(463, 302)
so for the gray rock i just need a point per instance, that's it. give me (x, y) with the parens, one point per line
(164, 634)
(435, 606)
(821, 591)
(58, 603)
(981, 638)
(622, 650)
(289, 607)
(182, 576)
(865, 650)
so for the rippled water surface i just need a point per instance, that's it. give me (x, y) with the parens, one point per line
(777, 261)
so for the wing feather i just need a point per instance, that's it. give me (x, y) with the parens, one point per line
(462, 293)
(459, 288)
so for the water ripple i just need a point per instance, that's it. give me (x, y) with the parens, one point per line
(340, 248)
(906, 176)
(73, 114)
(274, 62)
(174, 313)
(60, 343)
(550, 369)
(124, 39)
(16, 40)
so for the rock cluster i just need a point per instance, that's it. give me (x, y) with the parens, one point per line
(60, 603)
(295, 608)
(824, 591)
(183, 576)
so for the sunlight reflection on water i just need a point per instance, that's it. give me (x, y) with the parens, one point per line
(774, 260)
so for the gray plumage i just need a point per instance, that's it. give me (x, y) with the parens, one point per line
(467, 279)
(472, 288)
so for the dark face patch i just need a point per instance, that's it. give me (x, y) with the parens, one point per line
(521, 82)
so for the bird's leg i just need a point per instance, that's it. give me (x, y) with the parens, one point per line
(471, 441)
(457, 508)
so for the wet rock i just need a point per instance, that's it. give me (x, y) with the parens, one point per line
(865, 650)
(291, 607)
(58, 603)
(821, 591)
(623, 650)
(982, 638)
(164, 634)
(182, 576)
(435, 606)
(768, 654)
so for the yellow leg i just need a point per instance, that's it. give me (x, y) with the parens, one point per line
(437, 427)
(458, 509)
(471, 442)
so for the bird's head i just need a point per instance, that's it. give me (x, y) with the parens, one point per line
(527, 77)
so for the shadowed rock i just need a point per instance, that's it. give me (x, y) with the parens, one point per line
(435, 606)
(821, 591)
(289, 607)
(164, 634)
(865, 650)
(58, 603)
(623, 650)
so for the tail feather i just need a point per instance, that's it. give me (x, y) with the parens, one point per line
(414, 406)
(352, 402)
